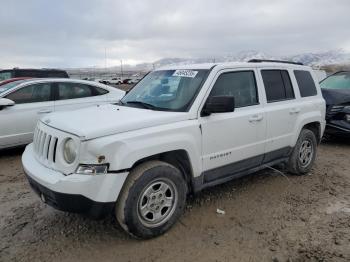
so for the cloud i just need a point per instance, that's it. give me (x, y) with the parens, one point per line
(77, 33)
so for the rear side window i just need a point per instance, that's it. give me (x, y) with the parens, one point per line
(73, 91)
(54, 74)
(241, 85)
(278, 86)
(99, 91)
(40, 73)
(306, 83)
(26, 73)
(77, 90)
(5, 75)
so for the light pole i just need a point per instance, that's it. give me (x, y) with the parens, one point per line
(121, 68)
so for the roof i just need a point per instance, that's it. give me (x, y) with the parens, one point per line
(32, 69)
(231, 64)
(70, 80)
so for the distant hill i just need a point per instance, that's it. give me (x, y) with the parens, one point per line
(312, 59)
(326, 59)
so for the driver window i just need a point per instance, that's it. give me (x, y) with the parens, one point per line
(241, 85)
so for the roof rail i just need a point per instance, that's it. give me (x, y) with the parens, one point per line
(274, 61)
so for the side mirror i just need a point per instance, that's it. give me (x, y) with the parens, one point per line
(219, 104)
(4, 102)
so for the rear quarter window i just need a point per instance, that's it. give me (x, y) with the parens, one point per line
(99, 91)
(306, 83)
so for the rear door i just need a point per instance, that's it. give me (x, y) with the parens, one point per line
(282, 110)
(18, 122)
(70, 95)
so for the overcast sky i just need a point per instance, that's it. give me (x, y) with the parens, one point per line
(76, 33)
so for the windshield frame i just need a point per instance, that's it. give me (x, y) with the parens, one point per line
(186, 107)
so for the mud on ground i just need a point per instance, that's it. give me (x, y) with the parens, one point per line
(268, 217)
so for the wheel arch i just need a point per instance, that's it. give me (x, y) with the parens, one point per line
(315, 127)
(178, 158)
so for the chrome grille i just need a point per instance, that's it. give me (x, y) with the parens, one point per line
(45, 145)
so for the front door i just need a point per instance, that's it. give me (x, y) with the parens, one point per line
(234, 141)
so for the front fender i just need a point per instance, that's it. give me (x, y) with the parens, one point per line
(123, 150)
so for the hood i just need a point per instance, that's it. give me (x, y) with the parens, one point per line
(93, 122)
(336, 96)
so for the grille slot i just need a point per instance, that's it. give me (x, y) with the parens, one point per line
(45, 146)
(54, 150)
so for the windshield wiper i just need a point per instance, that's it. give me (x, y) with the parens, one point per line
(143, 104)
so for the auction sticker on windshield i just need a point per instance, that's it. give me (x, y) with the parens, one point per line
(185, 73)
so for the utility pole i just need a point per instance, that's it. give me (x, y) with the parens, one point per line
(105, 59)
(121, 68)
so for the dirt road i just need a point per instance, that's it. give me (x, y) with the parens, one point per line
(269, 217)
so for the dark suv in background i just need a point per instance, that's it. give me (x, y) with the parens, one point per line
(34, 73)
(336, 91)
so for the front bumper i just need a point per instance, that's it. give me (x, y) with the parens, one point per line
(70, 202)
(338, 128)
(94, 195)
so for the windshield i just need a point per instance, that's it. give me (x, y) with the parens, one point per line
(337, 81)
(169, 90)
(10, 85)
(5, 75)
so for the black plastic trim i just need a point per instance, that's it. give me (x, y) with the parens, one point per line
(239, 169)
(72, 202)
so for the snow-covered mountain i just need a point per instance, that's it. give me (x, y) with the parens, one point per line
(313, 59)
(334, 57)
(322, 58)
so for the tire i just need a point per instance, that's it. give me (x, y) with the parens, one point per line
(144, 208)
(304, 153)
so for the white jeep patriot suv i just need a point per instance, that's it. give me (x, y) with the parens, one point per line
(179, 130)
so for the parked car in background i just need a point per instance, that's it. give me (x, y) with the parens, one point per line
(23, 102)
(336, 92)
(179, 130)
(10, 80)
(115, 81)
(126, 80)
(133, 81)
(34, 73)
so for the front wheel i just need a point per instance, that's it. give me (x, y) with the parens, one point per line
(152, 199)
(304, 153)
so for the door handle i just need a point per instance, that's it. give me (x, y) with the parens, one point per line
(294, 110)
(44, 111)
(255, 118)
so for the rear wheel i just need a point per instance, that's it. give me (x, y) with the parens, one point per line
(152, 199)
(304, 153)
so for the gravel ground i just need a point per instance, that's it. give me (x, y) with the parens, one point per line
(268, 217)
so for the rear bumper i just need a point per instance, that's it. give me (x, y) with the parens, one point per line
(70, 202)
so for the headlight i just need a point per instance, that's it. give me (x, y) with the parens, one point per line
(347, 117)
(69, 151)
(92, 169)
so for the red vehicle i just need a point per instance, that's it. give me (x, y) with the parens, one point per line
(12, 80)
